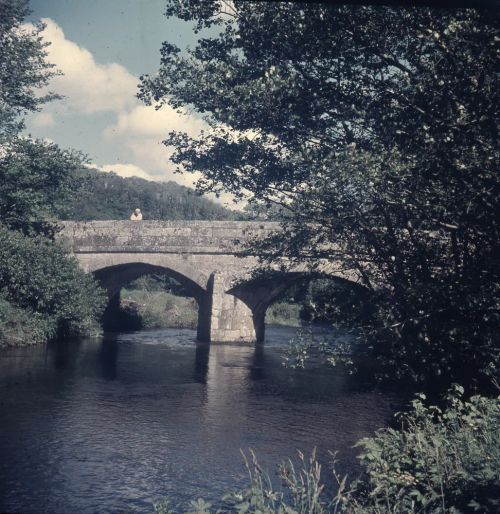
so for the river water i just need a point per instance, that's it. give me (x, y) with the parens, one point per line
(116, 423)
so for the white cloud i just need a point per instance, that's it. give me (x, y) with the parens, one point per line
(88, 86)
(142, 129)
(136, 135)
(146, 121)
(126, 170)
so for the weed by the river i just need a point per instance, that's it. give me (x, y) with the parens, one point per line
(439, 461)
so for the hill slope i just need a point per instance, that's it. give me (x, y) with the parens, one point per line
(105, 196)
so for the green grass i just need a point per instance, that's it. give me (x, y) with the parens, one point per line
(284, 314)
(159, 309)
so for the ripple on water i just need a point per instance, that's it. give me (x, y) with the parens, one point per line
(114, 424)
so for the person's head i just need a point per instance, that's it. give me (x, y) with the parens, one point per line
(137, 212)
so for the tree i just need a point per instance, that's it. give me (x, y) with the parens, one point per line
(23, 69)
(38, 277)
(107, 196)
(37, 181)
(43, 294)
(35, 177)
(376, 128)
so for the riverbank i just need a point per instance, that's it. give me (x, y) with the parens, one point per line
(139, 310)
(162, 309)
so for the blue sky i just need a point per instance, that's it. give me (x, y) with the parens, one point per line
(128, 32)
(102, 47)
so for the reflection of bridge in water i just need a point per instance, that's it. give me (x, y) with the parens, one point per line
(205, 256)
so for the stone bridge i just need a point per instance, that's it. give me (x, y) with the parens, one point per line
(207, 257)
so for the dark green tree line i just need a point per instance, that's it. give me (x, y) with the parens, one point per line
(107, 196)
(375, 129)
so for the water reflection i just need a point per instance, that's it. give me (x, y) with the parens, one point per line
(108, 357)
(111, 425)
(201, 363)
(258, 363)
(64, 356)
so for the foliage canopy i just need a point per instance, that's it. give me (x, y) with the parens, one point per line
(375, 128)
(37, 182)
(37, 276)
(24, 68)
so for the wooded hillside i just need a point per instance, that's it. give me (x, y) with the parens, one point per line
(105, 196)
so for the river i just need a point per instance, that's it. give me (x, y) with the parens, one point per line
(116, 423)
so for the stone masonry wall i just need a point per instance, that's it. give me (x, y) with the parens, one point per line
(206, 237)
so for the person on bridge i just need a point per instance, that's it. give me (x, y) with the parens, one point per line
(136, 215)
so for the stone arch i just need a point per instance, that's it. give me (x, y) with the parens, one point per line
(115, 273)
(258, 293)
(232, 294)
(177, 264)
(113, 278)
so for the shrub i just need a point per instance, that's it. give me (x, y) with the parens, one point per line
(20, 326)
(39, 279)
(439, 461)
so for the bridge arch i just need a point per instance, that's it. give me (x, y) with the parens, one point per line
(211, 259)
(113, 277)
(102, 264)
(260, 292)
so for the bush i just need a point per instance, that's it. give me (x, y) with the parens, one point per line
(440, 461)
(20, 326)
(40, 283)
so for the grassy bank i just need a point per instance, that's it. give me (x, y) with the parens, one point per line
(284, 313)
(160, 309)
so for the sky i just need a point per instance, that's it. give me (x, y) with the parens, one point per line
(102, 47)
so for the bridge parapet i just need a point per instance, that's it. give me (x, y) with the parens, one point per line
(193, 237)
